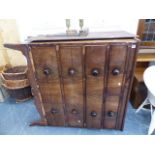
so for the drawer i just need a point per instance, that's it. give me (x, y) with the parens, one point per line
(54, 114)
(118, 54)
(71, 61)
(74, 102)
(94, 102)
(52, 102)
(45, 63)
(95, 60)
(116, 69)
(50, 92)
(111, 111)
(114, 84)
(117, 62)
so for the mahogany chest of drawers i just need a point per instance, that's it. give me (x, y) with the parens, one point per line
(81, 81)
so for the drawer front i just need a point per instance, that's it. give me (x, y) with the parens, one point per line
(95, 60)
(95, 68)
(73, 94)
(94, 102)
(111, 111)
(45, 63)
(116, 71)
(54, 114)
(71, 58)
(52, 102)
(71, 61)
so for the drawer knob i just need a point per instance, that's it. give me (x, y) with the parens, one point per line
(54, 111)
(93, 114)
(47, 71)
(74, 111)
(71, 71)
(115, 71)
(111, 113)
(95, 72)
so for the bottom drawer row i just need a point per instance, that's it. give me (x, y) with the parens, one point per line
(77, 115)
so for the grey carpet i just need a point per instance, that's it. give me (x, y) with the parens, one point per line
(15, 119)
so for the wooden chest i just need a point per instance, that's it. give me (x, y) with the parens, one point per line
(81, 81)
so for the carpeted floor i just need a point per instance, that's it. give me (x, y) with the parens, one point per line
(15, 119)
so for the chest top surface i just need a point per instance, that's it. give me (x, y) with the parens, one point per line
(90, 36)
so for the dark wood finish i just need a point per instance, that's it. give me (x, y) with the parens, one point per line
(141, 28)
(95, 68)
(94, 102)
(73, 98)
(138, 93)
(145, 29)
(71, 59)
(90, 36)
(139, 90)
(111, 111)
(45, 63)
(145, 56)
(81, 82)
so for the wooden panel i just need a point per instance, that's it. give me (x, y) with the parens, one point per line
(73, 94)
(130, 66)
(146, 57)
(71, 61)
(140, 28)
(118, 54)
(94, 102)
(95, 59)
(95, 68)
(45, 62)
(111, 110)
(54, 114)
(52, 100)
(144, 30)
(72, 71)
(51, 92)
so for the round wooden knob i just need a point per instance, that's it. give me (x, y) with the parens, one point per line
(74, 111)
(95, 72)
(47, 71)
(115, 71)
(93, 114)
(71, 71)
(111, 113)
(54, 111)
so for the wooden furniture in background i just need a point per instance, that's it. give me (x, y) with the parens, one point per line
(146, 32)
(146, 54)
(81, 81)
(139, 90)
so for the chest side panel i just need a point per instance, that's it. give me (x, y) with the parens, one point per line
(130, 67)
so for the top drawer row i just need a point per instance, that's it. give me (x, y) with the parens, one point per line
(76, 61)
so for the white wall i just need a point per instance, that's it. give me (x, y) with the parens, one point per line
(47, 16)
(32, 27)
